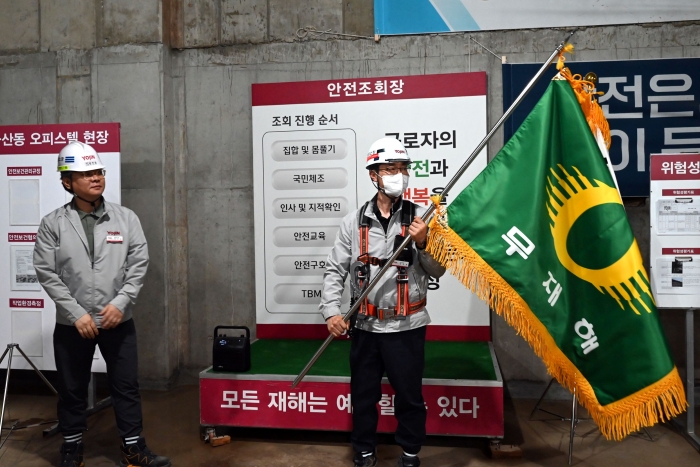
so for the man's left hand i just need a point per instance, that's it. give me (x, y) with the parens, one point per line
(111, 317)
(419, 231)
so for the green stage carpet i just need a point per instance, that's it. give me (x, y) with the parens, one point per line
(443, 360)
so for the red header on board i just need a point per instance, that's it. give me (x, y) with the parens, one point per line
(23, 171)
(49, 139)
(675, 167)
(680, 192)
(26, 303)
(371, 89)
(15, 237)
(680, 251)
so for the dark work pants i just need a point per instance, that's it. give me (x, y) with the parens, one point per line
(402, 356)
(74, 356)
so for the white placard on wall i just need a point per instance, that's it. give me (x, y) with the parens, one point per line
(310, 141)
(28, 175)
(675, 230)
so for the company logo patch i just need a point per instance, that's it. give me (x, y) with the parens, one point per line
(70, 159)
(88, 158)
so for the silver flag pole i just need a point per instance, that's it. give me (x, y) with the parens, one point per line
(429, 212)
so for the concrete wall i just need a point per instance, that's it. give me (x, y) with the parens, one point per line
(177, 76)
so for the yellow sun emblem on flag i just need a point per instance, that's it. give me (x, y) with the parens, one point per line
(571, 196)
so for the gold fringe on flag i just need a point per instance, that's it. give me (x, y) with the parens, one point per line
(656, 403)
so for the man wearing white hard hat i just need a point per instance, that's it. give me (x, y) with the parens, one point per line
(389, 333)
(91, 257)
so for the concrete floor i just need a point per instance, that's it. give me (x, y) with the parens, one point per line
(172, 429)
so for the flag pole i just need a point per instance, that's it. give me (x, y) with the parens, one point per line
(431, 208)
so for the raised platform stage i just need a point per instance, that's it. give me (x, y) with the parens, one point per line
(462, 388)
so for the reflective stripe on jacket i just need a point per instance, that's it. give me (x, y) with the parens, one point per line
(79, 285)
(345, 252)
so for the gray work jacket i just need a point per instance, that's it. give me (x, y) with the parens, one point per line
(345, 252)
(80, 285)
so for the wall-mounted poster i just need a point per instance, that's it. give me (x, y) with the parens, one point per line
(310, 141)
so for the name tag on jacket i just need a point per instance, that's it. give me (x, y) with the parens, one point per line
(115, 239)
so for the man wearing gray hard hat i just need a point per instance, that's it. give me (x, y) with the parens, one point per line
(91, 257)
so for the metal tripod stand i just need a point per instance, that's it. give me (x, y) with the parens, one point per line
(10, 349)
(573, 419)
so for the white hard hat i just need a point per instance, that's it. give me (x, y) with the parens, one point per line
(385, 151)
(78, 157)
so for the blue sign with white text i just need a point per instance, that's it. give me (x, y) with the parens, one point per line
(652, 106)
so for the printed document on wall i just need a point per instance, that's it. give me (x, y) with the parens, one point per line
(23, 275)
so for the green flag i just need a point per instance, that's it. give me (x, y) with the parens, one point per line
(542, 235)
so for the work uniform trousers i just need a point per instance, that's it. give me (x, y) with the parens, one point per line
(74, 356)
(402, 356)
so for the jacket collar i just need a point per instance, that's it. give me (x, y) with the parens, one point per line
(372, 210)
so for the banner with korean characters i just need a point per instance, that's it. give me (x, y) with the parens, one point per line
(32, 188)
(309, 145)
(675, 229)
(455, 407)
(651, 106)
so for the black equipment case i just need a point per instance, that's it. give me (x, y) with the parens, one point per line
(231, 353)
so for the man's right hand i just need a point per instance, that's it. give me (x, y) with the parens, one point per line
(87, 327)
(336, 325)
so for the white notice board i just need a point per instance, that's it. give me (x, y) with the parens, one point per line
(31, 189)
(675, 230)
(310, 140)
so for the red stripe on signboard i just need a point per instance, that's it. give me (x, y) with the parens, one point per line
(320, 331)
(463, 410)
(680, 251)
(371, 89)
(680, 192)
(23, 171)
(17, 237)
(50, 139)
(26, 303)
(675, 167)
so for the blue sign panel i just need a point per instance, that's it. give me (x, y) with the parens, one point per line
(429, 16)
(652, 106)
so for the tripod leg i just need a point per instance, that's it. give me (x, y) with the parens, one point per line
(5, 353)
(573, 428)
(7, 385)
(537, 406)
(37, 371)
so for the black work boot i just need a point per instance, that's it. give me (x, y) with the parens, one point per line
(72, 455)
(408, 461)
(365, 461)
(138, 455)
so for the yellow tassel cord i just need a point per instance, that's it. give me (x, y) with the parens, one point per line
(568, 49)
(657, 402)
(585, 93)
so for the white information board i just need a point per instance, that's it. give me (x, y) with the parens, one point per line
(310, 140)
(675, 230)
(32, 189)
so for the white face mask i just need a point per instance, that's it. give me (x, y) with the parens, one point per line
(395, 185)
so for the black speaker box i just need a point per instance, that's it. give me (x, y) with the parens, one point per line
(231, 353)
